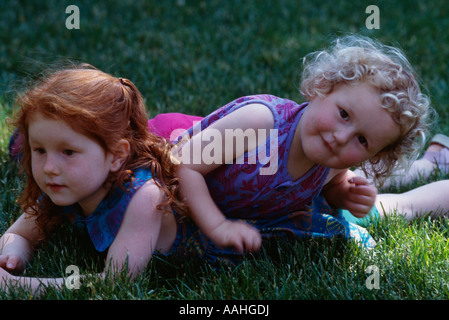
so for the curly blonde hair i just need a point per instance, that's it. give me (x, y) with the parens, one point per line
(354, 59)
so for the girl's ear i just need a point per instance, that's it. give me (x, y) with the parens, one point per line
(120, 155)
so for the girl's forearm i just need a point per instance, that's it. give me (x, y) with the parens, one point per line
(205, 213)
(11, 243)
(336, 190)
(38, 285)
(203, 209)
(34, 285)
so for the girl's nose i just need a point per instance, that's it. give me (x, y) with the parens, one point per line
(342, 136)
(50, 166)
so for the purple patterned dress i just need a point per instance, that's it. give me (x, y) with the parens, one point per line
(260, 187)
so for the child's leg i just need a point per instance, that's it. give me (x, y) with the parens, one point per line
(437, 155)
(171, 125)
(430, 198)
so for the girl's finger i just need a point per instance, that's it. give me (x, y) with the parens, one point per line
(358, 181)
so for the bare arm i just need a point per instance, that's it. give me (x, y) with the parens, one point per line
(143, 230)
(348, 191)
(16, 245)
(193, 186)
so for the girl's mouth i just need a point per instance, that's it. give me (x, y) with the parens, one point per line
(55, 187)
(328, 145)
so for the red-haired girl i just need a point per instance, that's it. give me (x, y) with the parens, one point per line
(90, 158)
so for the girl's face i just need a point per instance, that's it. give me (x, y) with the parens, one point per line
(68, 166)
(346, 127)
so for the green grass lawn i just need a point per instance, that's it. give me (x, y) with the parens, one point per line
(192, 57)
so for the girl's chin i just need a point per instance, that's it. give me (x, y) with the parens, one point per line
(61, 202)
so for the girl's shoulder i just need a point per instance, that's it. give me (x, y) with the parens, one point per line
(148, 192)
(144, 190)
(103, 224)
(282, 109)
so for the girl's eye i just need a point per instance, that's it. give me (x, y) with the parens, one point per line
(343, 114)
(362, 141)
(68, 152)
(39, 150)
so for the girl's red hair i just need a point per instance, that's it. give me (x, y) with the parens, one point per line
(105, 109)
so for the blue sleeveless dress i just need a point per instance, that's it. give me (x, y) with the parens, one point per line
(103, 224)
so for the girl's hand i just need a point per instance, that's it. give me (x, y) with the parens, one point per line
(237, 234)
(360, 197)
(12, 263)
